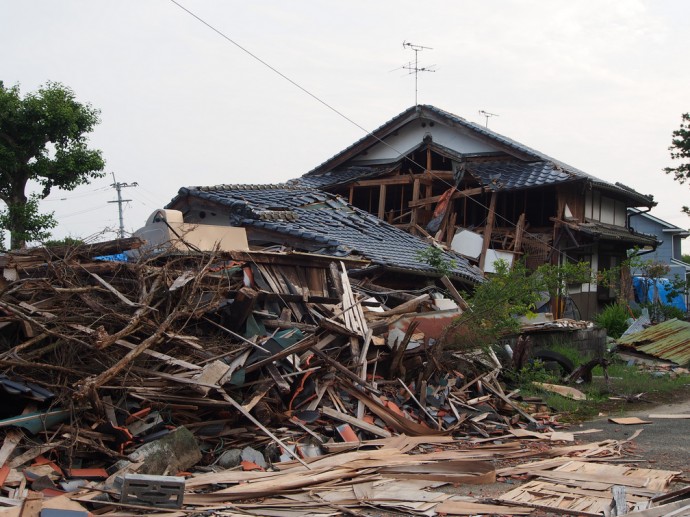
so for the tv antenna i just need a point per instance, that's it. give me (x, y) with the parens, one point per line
(415, 69)
(487, 115)
(118, 187)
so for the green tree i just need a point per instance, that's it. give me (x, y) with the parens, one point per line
(680, 150)
(43, 140)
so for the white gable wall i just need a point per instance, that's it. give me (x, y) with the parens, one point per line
(604, 209)
(412, 135)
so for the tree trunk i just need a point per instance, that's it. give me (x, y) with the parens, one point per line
(17, 220)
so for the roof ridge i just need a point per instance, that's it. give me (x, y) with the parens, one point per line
(253, 186)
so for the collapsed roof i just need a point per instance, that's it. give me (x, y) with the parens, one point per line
(311, 220)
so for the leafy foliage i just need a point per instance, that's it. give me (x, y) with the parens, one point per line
(42, 140)
(680, 150)
(434, 257)
(614, 318)
(508, 293)
(28, 223)
(66, 241)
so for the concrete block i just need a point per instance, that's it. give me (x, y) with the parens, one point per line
(175, 452)
(155, 491)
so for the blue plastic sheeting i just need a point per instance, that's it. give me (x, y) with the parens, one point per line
(119, 257)
(646, 288)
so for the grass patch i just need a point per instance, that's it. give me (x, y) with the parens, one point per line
(625, 385)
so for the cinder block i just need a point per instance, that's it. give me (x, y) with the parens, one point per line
(157, 491)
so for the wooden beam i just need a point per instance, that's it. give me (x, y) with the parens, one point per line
(405, 179)
(415, 198)
(488, 229)
(456, 195)
(382, 202)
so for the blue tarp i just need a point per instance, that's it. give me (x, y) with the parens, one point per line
(118, 257)
(646, 289)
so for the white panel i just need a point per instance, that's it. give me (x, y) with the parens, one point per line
(596, 206)
(607, 210)
(493, 256)
(413, 134)
(620, 215)
(467, 243)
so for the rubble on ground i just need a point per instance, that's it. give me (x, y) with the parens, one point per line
(249, 383)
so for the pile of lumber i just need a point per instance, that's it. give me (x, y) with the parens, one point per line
(251, 374)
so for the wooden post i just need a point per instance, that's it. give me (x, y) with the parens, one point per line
(488, 229)
(450, 230)
(415, 197)
(519, 232)
(352, 194)
(242, 307)
(382, 202)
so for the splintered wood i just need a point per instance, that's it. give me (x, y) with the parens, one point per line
(585, 488)
(276, 383)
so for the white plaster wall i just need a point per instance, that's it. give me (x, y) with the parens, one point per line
(607, 210)
(412, 135)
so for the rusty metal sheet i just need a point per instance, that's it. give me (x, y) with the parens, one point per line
(668, 340)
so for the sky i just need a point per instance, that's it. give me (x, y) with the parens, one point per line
(600, 85)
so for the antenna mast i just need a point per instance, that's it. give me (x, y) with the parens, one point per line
(487, 115)
(118, 187)
(415, 69)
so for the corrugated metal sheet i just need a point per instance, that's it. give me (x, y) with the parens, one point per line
(668, 340)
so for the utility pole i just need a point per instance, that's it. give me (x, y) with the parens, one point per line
(416, 69)
(118, 187)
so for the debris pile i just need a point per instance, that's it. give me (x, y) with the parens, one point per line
(206, 379)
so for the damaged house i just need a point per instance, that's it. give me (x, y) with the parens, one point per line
(300, 219)
(432, 173)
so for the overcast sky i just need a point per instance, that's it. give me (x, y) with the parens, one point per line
(597, 84)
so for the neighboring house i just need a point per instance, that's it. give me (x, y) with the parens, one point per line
(428, 171)
(308, 220)
(669, 237)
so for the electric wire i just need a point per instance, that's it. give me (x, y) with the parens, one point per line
(342, 115)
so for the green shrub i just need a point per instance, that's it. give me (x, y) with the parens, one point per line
(614, 318)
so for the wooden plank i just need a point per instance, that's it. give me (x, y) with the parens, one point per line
(32, 505)
(117, 293)
(454, 294)
(296, 348)
(631, 420)
(282, 384)
(12, 439)
(33, 453)
(452, 507)
(563, 391)
(343, 417)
